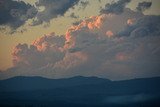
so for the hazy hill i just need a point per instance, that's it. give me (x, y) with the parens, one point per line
(80, 92)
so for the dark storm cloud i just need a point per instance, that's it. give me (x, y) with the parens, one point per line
(145, 26)
(115, 7)
(15, 13)
(142, 6)
(53, 9)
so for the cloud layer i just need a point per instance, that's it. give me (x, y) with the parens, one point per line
(111, 45)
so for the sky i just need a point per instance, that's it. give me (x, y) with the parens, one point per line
(59, 38)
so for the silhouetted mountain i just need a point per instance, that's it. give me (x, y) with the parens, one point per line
(79, 92)
(21, 83)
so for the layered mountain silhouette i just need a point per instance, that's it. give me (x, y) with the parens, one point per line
(79, 92)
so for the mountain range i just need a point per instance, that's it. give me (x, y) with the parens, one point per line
(79, 91)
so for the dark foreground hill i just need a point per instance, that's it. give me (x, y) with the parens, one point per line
(79, 92)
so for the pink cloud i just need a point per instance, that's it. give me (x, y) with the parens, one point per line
(109, 34)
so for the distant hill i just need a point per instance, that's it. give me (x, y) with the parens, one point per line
(79, 92)
(21, 83)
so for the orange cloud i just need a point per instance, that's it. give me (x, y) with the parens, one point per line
(96, 22)
(44, 50)
(109, 33)
(49, 41)
(130, 21)
(87, 25)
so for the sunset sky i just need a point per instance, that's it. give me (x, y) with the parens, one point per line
(117, 39)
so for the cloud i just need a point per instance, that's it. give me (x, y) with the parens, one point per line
(15, 13)
(76, 34)
(109, 33)
(115, 7)
(114, 46)
(77, 22)
(71, 61)
(53, 9)
(144, 26)
(130, 21)
(72, 15)
(118, 57)
(142, 6)
(83, 4)
(43, 51)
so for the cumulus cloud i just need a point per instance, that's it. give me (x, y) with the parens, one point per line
(15, 13)
(114, 46)
(52, 9)
(76, 34)
(118, 57)
(115, 7)
(71, 61)
(43, 51)
(142, 6)
(144, 26)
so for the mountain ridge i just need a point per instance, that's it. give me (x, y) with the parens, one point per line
(79, 91)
